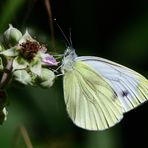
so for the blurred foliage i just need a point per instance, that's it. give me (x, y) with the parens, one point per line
(9, 10)
(117, 30)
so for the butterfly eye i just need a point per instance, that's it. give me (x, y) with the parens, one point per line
(69, 51)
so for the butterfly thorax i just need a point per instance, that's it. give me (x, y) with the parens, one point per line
(68, 60)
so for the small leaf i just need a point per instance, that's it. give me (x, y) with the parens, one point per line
(22, 76)
(19, 63)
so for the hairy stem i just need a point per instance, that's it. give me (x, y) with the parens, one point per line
(6, 73)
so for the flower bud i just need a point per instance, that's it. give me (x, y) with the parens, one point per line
(49, 60)
(12, 36)
(3, 115)
(47, 78)
(3, 102)
(1, 47)
(1, 64)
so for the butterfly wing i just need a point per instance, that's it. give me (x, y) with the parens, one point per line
(130, 86)
(91, 103)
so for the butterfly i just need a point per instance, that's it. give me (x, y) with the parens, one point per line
(97, 91)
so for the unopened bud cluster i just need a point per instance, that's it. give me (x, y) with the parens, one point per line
(12, 36)
(31, 63)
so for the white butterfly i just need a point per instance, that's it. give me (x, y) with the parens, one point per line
(98, 92)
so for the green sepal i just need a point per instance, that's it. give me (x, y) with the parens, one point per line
(25, 37)
(35, 66)
(22, 76)
(12, 52)
(19, 63)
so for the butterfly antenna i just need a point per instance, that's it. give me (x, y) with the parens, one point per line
(70, 37)
(62, 32)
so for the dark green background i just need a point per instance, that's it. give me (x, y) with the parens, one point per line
(116, 30)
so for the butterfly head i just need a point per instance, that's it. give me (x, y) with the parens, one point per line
(70, 53)
(68, 59)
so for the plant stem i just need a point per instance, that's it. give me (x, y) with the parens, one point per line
(25, 137)
(6, 73)
(49, 11)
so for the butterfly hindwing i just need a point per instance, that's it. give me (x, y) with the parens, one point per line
(91, 102)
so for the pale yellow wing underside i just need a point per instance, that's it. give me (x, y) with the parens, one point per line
(90, 101)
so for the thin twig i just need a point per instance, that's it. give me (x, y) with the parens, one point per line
(25, 137)
(6, 73)
(48, 8)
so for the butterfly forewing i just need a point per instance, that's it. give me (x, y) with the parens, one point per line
(130, 86)
(91, 102)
